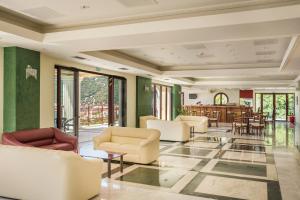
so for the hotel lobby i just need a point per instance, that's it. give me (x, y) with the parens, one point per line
(150, 99)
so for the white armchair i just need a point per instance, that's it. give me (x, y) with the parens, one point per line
(171, 130)
(200, 123)
(42, 174)
(140, 144)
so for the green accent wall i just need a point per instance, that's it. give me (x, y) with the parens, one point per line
(176, 100)
(143, 98)
(21, 96)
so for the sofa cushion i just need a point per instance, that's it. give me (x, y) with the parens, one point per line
(126, 140)
(59, 146)
(39, 143)
(110, 146)
(129, 148)
(33, 135)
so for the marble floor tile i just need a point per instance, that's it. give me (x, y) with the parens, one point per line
(116, 190)
(153, 176)
(177, 162)
(234, 188)
(202, 144)
(245, 156)
(192, 152)
(246, 141)
(241, 169)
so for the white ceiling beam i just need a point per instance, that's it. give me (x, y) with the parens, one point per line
(226, 72)
(274, 29)
(187, 23)
(288, 52)
(9, 28)
(237, 83)
(118, 61)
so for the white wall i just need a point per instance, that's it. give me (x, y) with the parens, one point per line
(47, 89)
(206, 96)
(1, 92)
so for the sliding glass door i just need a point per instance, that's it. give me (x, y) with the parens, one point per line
(281, 107)
(86, 102)
(119, 101)
(162, 101)
(277, 106)
(267, 105)
(65, 101)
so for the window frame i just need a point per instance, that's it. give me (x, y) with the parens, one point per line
(221, 98)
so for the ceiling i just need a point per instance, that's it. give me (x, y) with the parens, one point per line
(56, 13)
(203, 43)
(256, 52)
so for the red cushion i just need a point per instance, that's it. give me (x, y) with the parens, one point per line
(59, 146)
(40, 142)
(33, 135)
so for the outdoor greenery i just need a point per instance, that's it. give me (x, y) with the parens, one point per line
(280, 104)
(94, 90)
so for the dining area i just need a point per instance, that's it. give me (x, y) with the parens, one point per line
(250, 123)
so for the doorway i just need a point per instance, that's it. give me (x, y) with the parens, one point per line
(277, 106)
(87, 102)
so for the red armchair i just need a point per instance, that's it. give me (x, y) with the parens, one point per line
(48, 138)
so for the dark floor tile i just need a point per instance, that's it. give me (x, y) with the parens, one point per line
(241, 168)
(191, 151)
(153, 177)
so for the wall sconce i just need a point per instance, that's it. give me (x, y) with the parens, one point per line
(31, 72)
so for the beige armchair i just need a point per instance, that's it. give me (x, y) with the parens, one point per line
(171, 130)
(140, 144)
(200, 123)
(144, 119)
(41, 174)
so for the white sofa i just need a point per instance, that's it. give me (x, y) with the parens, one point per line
(39, 174)
(200, 123)
(144, 119)
(140, 144)
(171, 130)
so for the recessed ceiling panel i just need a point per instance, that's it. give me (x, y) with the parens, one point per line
(217, 53)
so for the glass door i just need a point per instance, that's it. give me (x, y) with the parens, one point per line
(281, 107)
(93, 105)
(268, 105)
(119, 102)
(65, 105)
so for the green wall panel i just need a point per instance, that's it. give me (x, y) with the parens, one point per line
(21, 95)
(176, 100)
(143, 98)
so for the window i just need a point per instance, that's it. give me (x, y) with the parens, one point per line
(221, 99)
(162, 102)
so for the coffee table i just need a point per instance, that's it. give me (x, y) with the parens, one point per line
(106, 155)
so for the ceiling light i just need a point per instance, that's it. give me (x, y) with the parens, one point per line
(83, 7)
(123, 68)
(79, 57)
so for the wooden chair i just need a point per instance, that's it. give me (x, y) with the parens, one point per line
(215, 118)
(239, 125)
(257, 127)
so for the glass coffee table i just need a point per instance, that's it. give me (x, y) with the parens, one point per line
(106, 155)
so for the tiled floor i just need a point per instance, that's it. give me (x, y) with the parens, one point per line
(214, 165)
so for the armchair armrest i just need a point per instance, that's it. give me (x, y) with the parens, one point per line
(61, 137)
(8, 139)
(104, 137)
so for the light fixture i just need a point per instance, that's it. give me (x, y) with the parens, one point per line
(83, 7)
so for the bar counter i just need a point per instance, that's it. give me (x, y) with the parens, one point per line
(225, 111)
